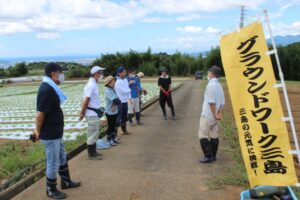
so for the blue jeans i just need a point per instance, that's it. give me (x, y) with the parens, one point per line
(55, 156)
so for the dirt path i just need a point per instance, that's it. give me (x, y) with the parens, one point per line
(157, 161)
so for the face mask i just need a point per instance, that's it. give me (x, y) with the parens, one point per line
(208, 78)
(101, 77)
(61, 78)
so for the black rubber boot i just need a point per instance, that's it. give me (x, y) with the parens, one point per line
(92, 153)
(95, 150)
(124, 129)
(116, 140)
(52, 191)
(207, 151)
(164, 112)
(130, 117)
(138, 118)
(214, 145)
(173, 111)
(66, 181)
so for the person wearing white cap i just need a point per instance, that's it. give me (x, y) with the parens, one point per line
(91, 111)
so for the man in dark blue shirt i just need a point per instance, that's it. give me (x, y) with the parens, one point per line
(49, 129)
(134, 105)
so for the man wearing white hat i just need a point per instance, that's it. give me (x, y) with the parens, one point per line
(91, 111)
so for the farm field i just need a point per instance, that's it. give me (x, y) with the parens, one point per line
(17, 121)
(294, 98)
(18, 108)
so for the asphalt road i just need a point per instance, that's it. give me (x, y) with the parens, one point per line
(158, 161)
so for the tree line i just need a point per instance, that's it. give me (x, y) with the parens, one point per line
(178, 64)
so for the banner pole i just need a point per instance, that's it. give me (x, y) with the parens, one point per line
(287, 102)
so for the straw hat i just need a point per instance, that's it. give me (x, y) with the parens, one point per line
(140, 74)
(108, 79)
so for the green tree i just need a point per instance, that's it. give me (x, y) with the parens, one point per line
(3, 73)
(18, 69)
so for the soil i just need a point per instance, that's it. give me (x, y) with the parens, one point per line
(293, 90)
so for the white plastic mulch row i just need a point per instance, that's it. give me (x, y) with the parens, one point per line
(17, 112)
(31, 126)
(24, 135)
(32, 120)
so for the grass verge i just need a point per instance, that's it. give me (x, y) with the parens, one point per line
(235, 174)
(18, 160)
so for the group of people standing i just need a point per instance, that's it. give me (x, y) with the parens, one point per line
(122, 102)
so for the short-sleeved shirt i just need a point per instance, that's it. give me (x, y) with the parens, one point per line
(110, 95)
(214, 94)
(48, 103)
(91, 90)
(165, 82)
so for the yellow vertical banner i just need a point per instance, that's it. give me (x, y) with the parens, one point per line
(257, 108)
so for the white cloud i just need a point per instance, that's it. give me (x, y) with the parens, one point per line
(21, 9)
(188, 6)
(212, 30)
(156, 20)
(58, 16)
(48, 36)
(190, 17)
(189, 29)
(286, 29)
(13, 27)
(281, 11)
(190, 43)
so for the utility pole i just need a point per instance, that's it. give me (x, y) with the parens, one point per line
(242, 18)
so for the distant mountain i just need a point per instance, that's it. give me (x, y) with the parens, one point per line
(81, 59)
(285, 40)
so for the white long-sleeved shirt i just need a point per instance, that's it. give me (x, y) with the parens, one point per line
(122, 89)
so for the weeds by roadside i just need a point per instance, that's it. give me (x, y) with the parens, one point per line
(236, 174)
(17, 160)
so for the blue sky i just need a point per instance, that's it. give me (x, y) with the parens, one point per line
(75, 27)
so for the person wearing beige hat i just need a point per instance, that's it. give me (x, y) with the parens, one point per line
(141, 75)
(111, 109)
(91, 111)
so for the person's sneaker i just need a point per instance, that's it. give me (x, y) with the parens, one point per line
(117, 141)
(174, 118)
(139, 123)
(165, 118)
(112, 143)
(205, 160)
